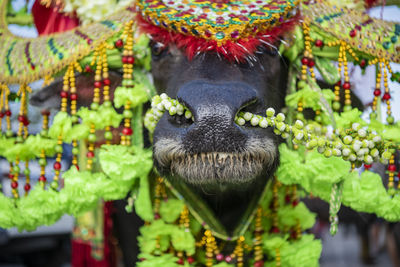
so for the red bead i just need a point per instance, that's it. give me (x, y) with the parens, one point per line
(21, 118)
(339, 83)
(42, 178)
(73, 96)
(106, 82)
(57, 165)
(319, 43)
(14, 185)
(304, 61)
(27, 187)
(363, 63)
(386, 96)
(219, 257)
(25, 121)
(77, 167)
(89, 41)
(127, 131)
(97, 84)
(10, 175)
(228, 259)
(130, 60)
(124, 60)
(346, 86)
(90, 154)
(259, 264)
(8, 113)
(64, 94)
(88, 69)
(275, 230)
(295, 203)
(190, 260)
(157, 216)
(2, 114)
(367, 166)
(119, 43)
(392, 168)
(311, 63)
(353, 33)
(45, 112)
(377, 92)
(180, 261)
(287, 199)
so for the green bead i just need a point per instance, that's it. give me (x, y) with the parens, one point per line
(16, 169)
(92, 138)
(373, 115)
(27, 172)
(108, 135)
(19, 139)
(390, 119)
(59, 148)
(42, 162)
(391, 191)
(336, 105)
(128, 114)
(9, 133)
(347, 108)
(318, 118)
(75, 151)
(54, 185)
(301, 84)
(94, 106)
(107, 104)
(44, 133)
(74, 119)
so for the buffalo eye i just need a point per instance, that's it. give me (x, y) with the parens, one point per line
(158, 50)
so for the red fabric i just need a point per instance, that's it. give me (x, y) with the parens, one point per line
(49, 20)
(231, 50)
(82, 252)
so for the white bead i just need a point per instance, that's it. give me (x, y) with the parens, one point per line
(254, 121)
(362, 133)
(240, 121)
(270, 112)
(346, 152)
(263, 123)
(164, 96)
(188, 114)
(356, 126)
(377, 139)
(352, 157)
(368, 159)
(280, 117)
(299, 124)
(247, 116)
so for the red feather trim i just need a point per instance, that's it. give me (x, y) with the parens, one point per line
(237, 50)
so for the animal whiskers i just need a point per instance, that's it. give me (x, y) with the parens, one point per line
(239, 167)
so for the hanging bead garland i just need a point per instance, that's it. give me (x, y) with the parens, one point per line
(128, 60)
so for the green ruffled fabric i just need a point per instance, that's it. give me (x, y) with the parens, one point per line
(167, 260)
(316, 174)
(81, 191)
(301, 253)
(163, 233)
(102, 117)
(135, 96)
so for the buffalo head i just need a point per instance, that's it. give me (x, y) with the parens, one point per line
(226, 164)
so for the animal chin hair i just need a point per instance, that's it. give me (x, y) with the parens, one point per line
(259, 154)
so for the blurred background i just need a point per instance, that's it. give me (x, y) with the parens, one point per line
(362, 239)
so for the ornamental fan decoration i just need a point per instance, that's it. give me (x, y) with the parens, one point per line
(109, 160)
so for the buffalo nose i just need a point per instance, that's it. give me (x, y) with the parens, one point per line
(214, 106)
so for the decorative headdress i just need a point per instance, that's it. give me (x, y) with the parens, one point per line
(314, 159)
